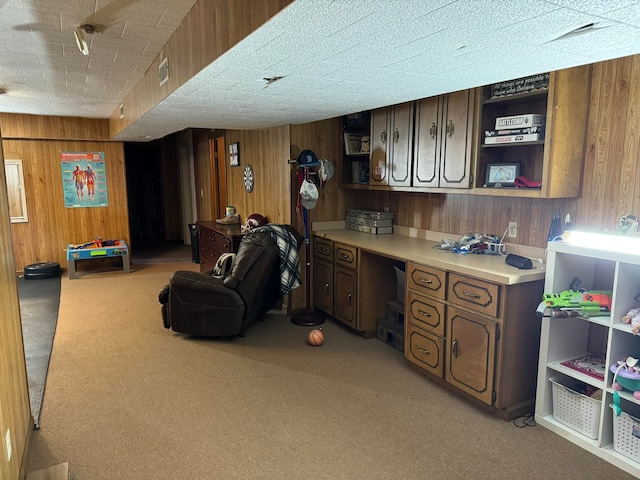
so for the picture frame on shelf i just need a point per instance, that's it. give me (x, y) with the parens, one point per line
(501, 174)
(353, 143)
(234, 154)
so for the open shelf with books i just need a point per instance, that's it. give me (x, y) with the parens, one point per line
(356, 149)
(542, 130)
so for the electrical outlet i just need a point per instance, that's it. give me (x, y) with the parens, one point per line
(513, 229)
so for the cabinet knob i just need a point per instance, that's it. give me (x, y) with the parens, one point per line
(454, 348)
(424, 350)
(344, 255)
(326, 287)
(450, 129)
(433, 131)
(349, 298)
(396, 135)
(423, 313)
(383, 136)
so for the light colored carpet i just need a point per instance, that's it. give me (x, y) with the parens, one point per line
(127, 399)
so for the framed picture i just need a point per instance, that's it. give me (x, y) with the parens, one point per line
(501, 174)
(353, 143)
(234, 154)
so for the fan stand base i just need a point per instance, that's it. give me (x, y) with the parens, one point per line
(307, 319)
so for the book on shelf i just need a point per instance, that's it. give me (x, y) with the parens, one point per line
(514, 131)
(592, 364)
(527, 137)
(520, 121)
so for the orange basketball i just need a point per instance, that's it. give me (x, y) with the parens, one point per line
(315, 337)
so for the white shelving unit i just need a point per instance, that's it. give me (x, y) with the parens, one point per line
(601, 262)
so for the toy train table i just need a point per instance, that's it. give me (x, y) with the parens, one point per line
(97, 249)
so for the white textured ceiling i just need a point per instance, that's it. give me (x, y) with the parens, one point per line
(336, 57)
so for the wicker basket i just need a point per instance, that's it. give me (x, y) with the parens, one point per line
(626, 433)
(575, 410)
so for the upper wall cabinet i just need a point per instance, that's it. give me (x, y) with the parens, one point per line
(391, 143)
(553, 159)
(443, 141)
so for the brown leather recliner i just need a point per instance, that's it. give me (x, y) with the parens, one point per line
(197, 303)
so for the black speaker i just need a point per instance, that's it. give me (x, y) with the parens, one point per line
(523, 263)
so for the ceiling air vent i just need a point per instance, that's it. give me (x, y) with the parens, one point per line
(163, 71)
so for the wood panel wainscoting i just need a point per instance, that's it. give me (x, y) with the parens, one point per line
(16, 421)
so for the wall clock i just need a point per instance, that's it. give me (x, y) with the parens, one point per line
(248, 178)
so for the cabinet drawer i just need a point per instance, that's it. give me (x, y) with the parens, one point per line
(323, 249)
(346, 255)
(424, 349)
(474, 294)
(427, 280)
(426, 313)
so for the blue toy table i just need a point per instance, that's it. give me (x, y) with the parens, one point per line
(75, 254)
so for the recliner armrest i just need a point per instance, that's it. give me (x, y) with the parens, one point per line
(197, 282)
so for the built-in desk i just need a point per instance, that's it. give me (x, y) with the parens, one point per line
(470, 320)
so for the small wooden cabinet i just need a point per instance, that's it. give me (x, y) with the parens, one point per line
(351, 285)
(214, 240)
(391, 145)
(471, 333)
(443, 141)
(335, 280)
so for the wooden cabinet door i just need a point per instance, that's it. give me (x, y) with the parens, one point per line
(426, 153)
(400, 137)
(457, 140)
(471, 353)
(345, 296)
(378, 174)
(323, 287)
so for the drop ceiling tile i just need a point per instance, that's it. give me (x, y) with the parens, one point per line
(629, 15)
(595, 7)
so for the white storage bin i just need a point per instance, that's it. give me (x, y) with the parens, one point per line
(575, 410)
(626, 435)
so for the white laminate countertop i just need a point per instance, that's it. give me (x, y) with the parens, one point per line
(405, 248)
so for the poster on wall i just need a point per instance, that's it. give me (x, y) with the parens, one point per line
(84, 179)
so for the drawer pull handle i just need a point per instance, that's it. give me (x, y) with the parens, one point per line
(424, 350)
(326, 287)
(349, 298)
(324, 250)
(422, 312)
(454, 348)
(470, 294)
(344, 255)
(425, 280)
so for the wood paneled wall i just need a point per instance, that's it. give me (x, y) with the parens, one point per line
(15, 411)
(51, 226)
(14, 125)
(268, 153)
(210, 29)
